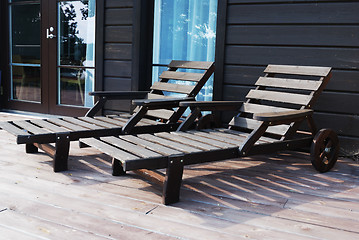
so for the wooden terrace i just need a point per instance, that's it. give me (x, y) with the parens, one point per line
(278, 196)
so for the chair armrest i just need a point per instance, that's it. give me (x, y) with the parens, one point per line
(125, 95)
(160, 103)
(112, 95)
(213, 105)
(275, 118)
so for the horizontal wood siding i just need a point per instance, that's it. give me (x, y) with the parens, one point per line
(320, 33)
(3, 56)
(118, 31)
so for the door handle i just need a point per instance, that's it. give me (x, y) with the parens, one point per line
(49, 33)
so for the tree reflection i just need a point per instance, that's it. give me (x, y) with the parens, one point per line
(73, 47)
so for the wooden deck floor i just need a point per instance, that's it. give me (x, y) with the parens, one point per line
(277, 196)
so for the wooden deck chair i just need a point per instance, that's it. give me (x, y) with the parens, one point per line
(268, 121)
(156, 111)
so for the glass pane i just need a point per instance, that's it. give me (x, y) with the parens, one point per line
(205, 93)
(74, 83)
(25, 24)
(76, 33)
(185, 30)
(26, 83)
(15, 1)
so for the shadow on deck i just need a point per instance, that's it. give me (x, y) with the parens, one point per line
(278, 196)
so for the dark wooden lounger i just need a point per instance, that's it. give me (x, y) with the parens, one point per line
(155, 111)
(268, 121)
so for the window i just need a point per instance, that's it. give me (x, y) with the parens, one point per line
(76, 52)
(184, 30)
(25, 62)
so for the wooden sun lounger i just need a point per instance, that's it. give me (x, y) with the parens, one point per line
(156, 111)
(268, 121)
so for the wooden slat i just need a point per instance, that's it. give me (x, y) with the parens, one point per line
(122, 117)
(190, 64)
(248, 123)
(66, 125)
(157, 96)
(292, 98)
(235, 133)
(238, 136)
(280, 116)
(45, 124)
(80, 123)
(210, 135)
(116, 122)
(177, 146)
(187, 141)
(108, 149)
(125, 119)
(149, 121)
(98, 122)
(293, 35)
(298, 70)
(130, 147)
(184, 76)
(233, 136)
(335, 57)
(162, 114)
(289, 83)
(150, 145)
(204, 139)
(170, 87)
(256, 108)
(31, 127)
(9, 127)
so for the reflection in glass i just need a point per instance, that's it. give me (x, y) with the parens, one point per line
(185, 30)
(77, 33)
(73, 88)
(202, 94)
(23, 1)
(26, 83)
(25, 33)
(76, 48)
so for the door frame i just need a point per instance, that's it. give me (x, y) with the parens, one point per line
(48, 70)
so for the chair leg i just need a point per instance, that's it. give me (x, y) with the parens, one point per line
(117, 169)
(30, 148)
(173, 180)
(61, 154)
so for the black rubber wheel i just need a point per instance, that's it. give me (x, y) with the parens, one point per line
(324, 150)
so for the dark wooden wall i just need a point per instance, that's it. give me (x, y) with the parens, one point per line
(2, 50)
(301, 32)
(118, 41)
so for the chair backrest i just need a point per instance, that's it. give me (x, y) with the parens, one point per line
(283, 88)
(182, 77)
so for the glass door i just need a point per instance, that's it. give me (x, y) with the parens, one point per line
(52, 55)
(76, 52)
(25, 51)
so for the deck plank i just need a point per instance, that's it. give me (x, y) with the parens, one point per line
(276, 196)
